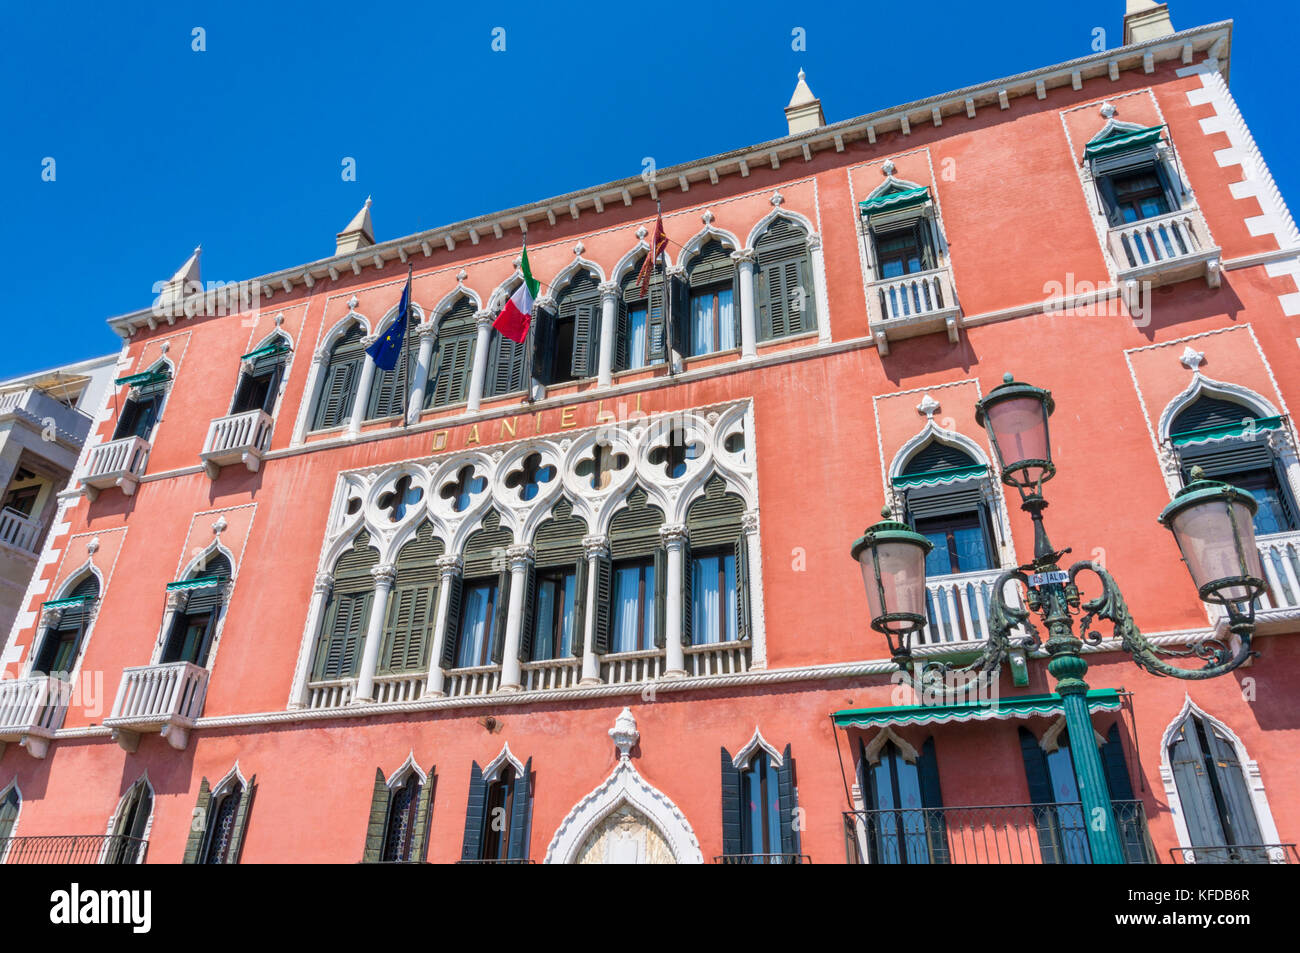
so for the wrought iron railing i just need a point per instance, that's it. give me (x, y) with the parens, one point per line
(1237, 854)
(74, 849)
(990, 834)
(502, 860)
(762, 859)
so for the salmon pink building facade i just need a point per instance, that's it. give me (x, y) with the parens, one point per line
(589, 598)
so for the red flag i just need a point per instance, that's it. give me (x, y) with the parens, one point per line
(658, 244)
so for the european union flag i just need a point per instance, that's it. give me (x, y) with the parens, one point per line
(388, 348)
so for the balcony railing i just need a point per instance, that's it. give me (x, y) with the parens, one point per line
(475, 680)
(762, 859)
(116, 463)
(239, 438)
(993, 834)
(958, 607)
(1280, 555)
(18, 531)
(912, 304)
(1164, 249)
(550, 674)
(718, 658)
(32, 710)
(39, 407)
(621, 668)
(74, 849)
(1237, 854)
(167, 697)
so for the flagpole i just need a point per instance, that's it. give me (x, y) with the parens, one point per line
(528, 345)
(406, 354)
(668, 299)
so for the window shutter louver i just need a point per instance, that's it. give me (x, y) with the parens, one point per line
(661, 589)
(521, 813)
(543, 345)
(194, 843)
(528, 624)
(927, 769)
(634, 530)
(378, 822)
(604, 595)
(1194, 790)
(744, 614)
(339, 652)
(1210, 412)
(923, 502)
(455, 591)
(1218, 458)
(420, 836)
(938, 456)
(508, 370)
(621, 338)
(787, 803)
(784, 271)
(1040, 795)
(502, 610)
(586, 335)
(656, 322)
(731, 807)
(680, 312)
(241, 822)
(1106, 189)
(475, 815)
(1239, 810)
(579, 606)
(688, 608)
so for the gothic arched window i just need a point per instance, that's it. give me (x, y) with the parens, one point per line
(784, 292)
(342, 373)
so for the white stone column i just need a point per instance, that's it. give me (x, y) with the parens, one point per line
(312, 394)
(748, 315)
(520, 558)
(674, 538)
(609, 292)
(449, 567)
(320, 595)
(363, 390)
(426, 333)
(754, 552)
(478, 379)
(384, 576)
(593, 547)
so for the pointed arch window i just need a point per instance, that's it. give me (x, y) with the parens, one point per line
(342, 373)
(144, 402)
(498, 815)
(126, 842)
(758, 809)
(1131, 169)
(338, 651)
(784, 292)
(568, 341)
(1216, 800)
(1229, 441)
(389, 389)
(642, 337)
(944, 492)
(901, 228)
(398, 832)
(479, 600)
(222, 817)
(556, 600)
(261, 377)
(630, 582)
(903, 817)
(505, 371)
(194, 625)
(453, 359)
(10, 804)
(716, 586)
(412, 606)
(61, 642)
(710, 321)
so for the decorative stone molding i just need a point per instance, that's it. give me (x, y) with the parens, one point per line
(609, 289)
(624, 733)
(450, 565)
(674, 535)
(1192, 358)
(928, 407)
(384, 575)
(519, 557)
(324, 584)
(746, 256)
(756, 743)
(50, 617)
(872, 751)
(545, 302)
(749, 521)
(595, 545)
(177, 599)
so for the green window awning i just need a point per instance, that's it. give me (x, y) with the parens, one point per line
(944, 475)
(270, 350)
(202, 582)
(892, 201)
(142, 380)
(1240, 428)
(1002, 709)
(1123, 142)
(67, 603)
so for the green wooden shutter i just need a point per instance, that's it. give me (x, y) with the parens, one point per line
(688, 609)
(528, 624)
(451, 633)
(621, 342)
(679, 294)
(604, 596)
(521, 813)
(475, 815)
(732, 842)
(579, 606)
(9, 806)
(420, 836)
(502, 616)
(656, 323)
(339, 653)
(661, 589)
(335, 405)
(240, 826)
(1239, 810)
(787, 803)
(1106, 189)
(378, 822)
(586, 338)
(1041, 796)
(194, 843)
(1200, 811)
(927, 770)
(744, 612)
(508, 370)
(543, 345)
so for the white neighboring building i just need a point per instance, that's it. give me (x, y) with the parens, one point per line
(44, 420)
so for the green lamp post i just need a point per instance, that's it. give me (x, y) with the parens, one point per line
(1211, 522)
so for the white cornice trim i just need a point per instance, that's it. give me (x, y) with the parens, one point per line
(765, 154)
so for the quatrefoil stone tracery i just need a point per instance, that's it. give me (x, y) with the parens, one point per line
(600, 465)
(673, 453)
(402, 496)
(529, 476)
(462, 489)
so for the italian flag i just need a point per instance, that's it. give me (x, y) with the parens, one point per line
(517, 315)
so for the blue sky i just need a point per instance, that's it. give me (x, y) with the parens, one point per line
(239, 147)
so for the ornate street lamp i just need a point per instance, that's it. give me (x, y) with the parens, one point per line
(1211, 522)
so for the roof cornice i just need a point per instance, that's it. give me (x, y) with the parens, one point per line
(933, 109)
